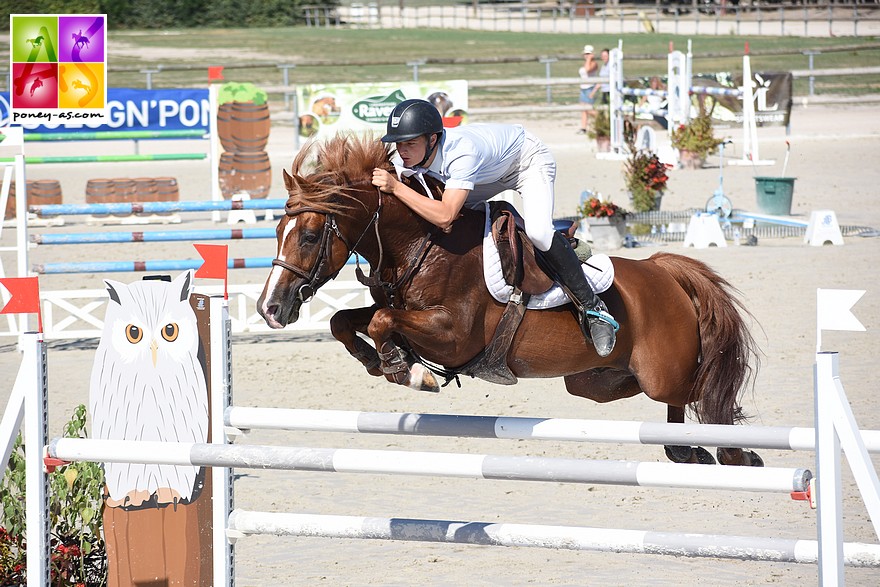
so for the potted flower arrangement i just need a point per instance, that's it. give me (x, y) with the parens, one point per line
(695, 140)
(600, 129)
(604, 222)
(644, 176)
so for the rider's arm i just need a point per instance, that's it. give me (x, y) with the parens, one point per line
(441, 213)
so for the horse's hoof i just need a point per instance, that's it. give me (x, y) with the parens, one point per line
(747, 458)
(689, 454)
(704, 457)
(422, 379)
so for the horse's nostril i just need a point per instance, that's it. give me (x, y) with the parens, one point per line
(272, 310)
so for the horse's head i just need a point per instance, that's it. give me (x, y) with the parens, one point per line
(327, 213)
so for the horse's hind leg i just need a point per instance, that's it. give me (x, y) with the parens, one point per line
(738, 456)
(683, 453)
(697, 454)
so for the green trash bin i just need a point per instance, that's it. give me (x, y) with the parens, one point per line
(774, 195)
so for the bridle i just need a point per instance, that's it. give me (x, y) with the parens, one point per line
(312, 276)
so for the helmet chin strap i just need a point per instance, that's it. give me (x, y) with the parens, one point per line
(428, 152)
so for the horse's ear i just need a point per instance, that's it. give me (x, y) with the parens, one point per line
(288, 181)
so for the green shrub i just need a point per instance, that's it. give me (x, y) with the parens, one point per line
(76, 542)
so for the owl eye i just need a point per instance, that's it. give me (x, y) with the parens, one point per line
(133, 334)
(170, 332)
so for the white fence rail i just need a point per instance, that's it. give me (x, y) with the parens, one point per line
(753, 18)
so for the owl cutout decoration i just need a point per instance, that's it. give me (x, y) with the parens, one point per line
(147, 384)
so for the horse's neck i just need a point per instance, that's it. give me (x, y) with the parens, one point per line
(401, 233)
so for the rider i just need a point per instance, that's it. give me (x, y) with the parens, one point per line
(476, 162)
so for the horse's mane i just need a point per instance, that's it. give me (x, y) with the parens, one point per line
(323, 174)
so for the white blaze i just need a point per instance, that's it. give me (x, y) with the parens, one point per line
(276, 272)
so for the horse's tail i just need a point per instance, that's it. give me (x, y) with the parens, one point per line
(729, 356)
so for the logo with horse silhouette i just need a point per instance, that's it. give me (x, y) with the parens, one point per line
(58, 62)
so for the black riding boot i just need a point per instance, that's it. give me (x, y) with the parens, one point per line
(565, 263)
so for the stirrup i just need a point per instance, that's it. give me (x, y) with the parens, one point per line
(604, 317)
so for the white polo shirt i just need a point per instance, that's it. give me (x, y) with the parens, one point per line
(477, 157)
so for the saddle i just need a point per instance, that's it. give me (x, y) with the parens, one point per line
(521, 265)
(521, 268)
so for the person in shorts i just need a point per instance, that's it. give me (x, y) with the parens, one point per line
(586, 71)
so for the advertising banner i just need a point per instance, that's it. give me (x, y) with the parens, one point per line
(772, 94)
(131, 109)
(326, 109)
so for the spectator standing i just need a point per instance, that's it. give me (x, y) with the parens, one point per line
(586, 71)
(601, 91)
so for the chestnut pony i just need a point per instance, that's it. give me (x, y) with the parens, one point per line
(682, 339)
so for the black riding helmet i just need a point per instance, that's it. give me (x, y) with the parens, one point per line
(411, 119)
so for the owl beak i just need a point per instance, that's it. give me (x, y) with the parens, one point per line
(154, 347)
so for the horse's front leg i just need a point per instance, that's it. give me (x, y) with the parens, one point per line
(432, 329)
(345, 324)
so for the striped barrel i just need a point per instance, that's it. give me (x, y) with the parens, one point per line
(253, 173)
(249, 126)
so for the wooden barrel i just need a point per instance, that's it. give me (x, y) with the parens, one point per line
(10, 203)
(145, 189)
(43, 191)
(249, 126)
(228, 178)
(167, 190)
(125, 190)
(100, 191)
(224, 127)
(254, 173)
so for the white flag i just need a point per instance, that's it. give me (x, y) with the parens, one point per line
(833, 309)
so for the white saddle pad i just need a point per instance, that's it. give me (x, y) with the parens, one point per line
(598, 270)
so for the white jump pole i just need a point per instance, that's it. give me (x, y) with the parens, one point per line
(751, 154)
(545, 536)
(615, 106)
(474, 466)
(221, 477)
(33, 367)
(521, 428)
(214, 147)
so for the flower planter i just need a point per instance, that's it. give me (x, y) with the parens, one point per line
(690, 160)
(606, 233)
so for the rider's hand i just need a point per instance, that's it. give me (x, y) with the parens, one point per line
(384, 181)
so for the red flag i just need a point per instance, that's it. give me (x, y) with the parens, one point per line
(215, 72)
(215, 265)
(25, 297)
(25, 292)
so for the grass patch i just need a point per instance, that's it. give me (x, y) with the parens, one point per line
(333, 55)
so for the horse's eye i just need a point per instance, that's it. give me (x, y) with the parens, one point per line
(308, 238)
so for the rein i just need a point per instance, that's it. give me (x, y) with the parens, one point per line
(314, 282)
